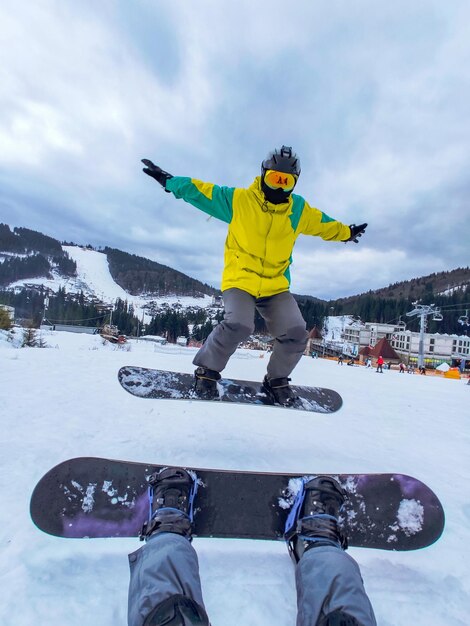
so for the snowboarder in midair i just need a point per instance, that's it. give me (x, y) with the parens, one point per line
(264, 221)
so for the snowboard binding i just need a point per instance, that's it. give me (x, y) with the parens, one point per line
(314, 517)
(171, 494)
(280, 391)
(205, 384)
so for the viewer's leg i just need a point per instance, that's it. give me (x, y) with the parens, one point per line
(330, 591)
(165, 588)
(164, 579)
(329, 580)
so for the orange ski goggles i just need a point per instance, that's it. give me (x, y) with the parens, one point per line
(279, 180)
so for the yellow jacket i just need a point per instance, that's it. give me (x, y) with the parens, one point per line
(261, 235)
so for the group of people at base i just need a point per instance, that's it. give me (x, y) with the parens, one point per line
(410, 369)
(349, 362)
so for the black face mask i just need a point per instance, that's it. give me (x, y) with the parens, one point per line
(275, 196)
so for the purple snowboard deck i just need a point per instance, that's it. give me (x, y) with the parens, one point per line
(94, 497)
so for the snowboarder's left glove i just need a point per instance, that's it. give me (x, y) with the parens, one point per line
(156, 172)
(356, 232)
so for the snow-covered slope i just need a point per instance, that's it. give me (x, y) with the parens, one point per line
(65, 401)
(93, 270)
(94, 280)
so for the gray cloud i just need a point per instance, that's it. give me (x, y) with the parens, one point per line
(372, 96)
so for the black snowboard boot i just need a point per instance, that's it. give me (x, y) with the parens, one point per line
(205, 385)
(280, 391)
(171, 495)
(177, 610)
(339, 618)
(313, 520)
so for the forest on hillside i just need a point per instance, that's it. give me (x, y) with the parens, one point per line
(29, 254)
(138, 275)
(25, 241)
(449, 291)
(437, 283)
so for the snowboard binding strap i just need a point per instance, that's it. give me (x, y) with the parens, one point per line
(171, 494)
(316, 528)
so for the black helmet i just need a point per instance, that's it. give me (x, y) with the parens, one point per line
(283, 160)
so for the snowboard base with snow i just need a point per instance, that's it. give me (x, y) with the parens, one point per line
(150, 383)
(95, 497)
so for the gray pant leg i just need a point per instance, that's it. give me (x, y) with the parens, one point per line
(328, 579)
(166, 565)
(285, 323)
(237, 325)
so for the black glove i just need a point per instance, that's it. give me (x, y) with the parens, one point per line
(356, 232)
(156, 172)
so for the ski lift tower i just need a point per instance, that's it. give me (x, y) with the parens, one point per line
(423, 311)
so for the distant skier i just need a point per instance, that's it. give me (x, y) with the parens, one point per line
(264, 222)
(165, 587)
(380, 363)
(340, 359)
(402, 368)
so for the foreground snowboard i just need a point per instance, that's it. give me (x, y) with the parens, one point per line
(93, 497)
(149, 383)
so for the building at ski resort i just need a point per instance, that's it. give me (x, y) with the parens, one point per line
(437, 348)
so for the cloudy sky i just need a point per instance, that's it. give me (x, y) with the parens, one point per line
(374, 96)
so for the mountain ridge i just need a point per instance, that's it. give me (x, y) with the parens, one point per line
(37, 266)
(139, 275)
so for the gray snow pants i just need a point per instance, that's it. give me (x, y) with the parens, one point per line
(283, 320)
(327, 579)
(165, 566)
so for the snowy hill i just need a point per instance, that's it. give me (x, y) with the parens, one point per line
(138, 275)
(95, 281)
(65, 401)
(93, 272)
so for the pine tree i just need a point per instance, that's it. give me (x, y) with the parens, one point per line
(30, 339)
(5, 321)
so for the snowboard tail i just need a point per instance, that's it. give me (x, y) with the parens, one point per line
(95, 497)
(159, 384)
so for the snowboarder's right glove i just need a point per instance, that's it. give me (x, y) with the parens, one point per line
(156, 172)
(356, 232)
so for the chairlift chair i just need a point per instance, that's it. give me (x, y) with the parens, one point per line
(463, 319)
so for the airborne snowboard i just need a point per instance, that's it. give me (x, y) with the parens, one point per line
(150, 383)
(93, 497)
